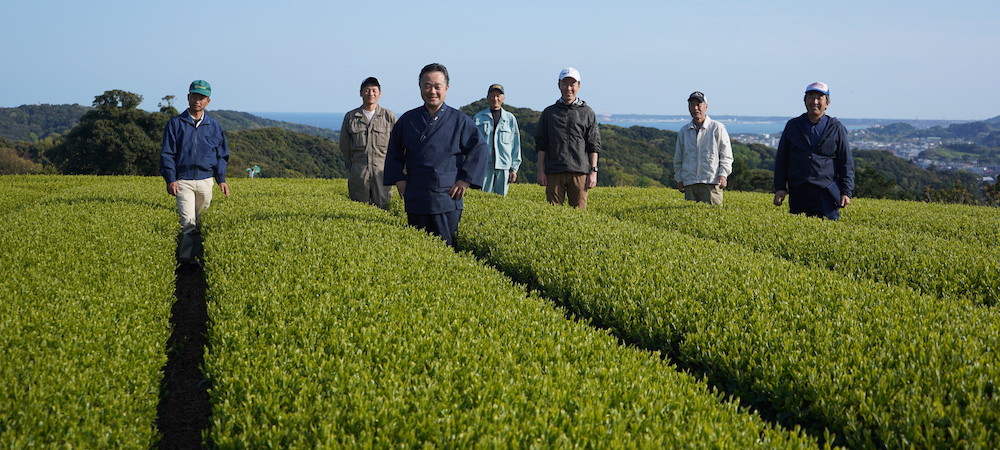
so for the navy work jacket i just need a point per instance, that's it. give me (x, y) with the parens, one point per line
(432, 153)
(828, 164)
(193, 153)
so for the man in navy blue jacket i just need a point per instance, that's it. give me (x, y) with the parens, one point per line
(194, 152)
(814, 165)
(435, 154)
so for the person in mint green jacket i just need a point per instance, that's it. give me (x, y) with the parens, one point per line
(501, 132)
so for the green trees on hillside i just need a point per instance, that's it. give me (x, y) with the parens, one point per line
(115, 138)
(285, 154)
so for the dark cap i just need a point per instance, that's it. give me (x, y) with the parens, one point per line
(370, 81)
(494, 86)
(697, 95)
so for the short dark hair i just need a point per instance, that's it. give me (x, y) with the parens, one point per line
(435, 67)
(370, 81)
(804, 97)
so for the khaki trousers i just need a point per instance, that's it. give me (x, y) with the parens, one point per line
(193, 198)
(703, 192)
(566, 184)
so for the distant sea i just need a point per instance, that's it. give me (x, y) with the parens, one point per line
(332, 121)
(735, 124)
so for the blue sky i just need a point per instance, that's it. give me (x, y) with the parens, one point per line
(906, 60)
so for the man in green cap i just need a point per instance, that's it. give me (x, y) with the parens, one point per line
(194, 152)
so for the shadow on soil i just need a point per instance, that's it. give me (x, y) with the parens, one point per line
(184, 412)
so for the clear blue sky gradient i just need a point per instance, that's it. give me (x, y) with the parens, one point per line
(894, 60)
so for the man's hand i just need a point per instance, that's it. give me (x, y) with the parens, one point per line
(458, 190)
(172, 188)
(722, 182)
(512, 177)
(680, 186)
(401, 188)
(844, 201)
(591, 180)
(779, 197)
(225, 189)
(542, 179)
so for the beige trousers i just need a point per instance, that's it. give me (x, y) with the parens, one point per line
(193, 198)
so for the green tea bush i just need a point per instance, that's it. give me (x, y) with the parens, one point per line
(86, 284)
(862, 248)
(877, 364)
(334, 325)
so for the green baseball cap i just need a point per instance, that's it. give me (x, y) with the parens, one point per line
(201, 87)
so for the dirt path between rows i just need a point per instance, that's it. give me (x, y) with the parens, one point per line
(184, 411)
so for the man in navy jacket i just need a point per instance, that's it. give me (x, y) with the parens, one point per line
(435, 154)
(814, 165)
(194, 153)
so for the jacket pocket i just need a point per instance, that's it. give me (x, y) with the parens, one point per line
(380, 135)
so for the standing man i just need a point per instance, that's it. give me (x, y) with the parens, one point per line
(364, 138)
(568, 142)
(435, 154)
(703, 158)
(194, 152)
(814, 165)
(500, 129)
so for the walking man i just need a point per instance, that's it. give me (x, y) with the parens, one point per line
(194, 152)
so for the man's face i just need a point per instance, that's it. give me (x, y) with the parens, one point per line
(816, 104)
(370, 95)
(433, 89)
(698, 110)
(495, 98)
(198, 102)
(569, 87)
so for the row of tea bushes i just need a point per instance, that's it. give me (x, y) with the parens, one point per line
(946, 267)
(878, 365)
(86, 284)
(335, 325)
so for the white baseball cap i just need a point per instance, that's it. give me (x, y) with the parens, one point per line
(818, 86)
(569, 72)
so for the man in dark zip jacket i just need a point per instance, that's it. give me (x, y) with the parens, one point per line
(814, 165)
(568, 142)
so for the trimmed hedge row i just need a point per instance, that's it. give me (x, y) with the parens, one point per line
(944, 267)
(86, 284)
(334, 325)
(879, 365)
(970, 224)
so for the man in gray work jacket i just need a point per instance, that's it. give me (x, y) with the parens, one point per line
(364, 138)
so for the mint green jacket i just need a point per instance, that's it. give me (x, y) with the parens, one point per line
(505, 144)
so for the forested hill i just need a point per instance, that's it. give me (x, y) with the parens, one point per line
(239, 121)
(34, 122)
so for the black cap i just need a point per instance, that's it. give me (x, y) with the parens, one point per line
(494, 86)
(370, 81)
(696, 95)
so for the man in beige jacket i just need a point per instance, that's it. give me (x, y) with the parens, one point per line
(364, 137)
